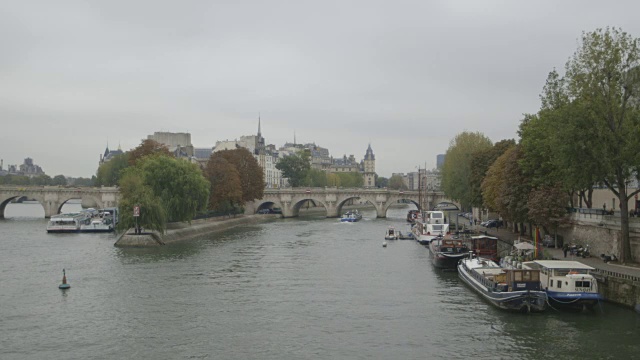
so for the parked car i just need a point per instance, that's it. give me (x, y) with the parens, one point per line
(494, 223)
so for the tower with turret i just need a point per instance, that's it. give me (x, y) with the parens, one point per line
(369, 168)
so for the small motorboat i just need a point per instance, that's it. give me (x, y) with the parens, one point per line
(391, 234)
(351, 216)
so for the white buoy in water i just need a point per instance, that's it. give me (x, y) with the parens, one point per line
(384, 244)
(64, 285)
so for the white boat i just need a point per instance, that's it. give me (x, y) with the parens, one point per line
(429, 225)
(569, 284)
(508, 289)
(391, 234)
(351, 216)
(103, 220)
(69, 222)
(98, 225)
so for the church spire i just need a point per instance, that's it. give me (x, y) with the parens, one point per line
(259, 132)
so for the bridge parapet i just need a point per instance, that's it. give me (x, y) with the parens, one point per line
(53, 197)
(333, 199)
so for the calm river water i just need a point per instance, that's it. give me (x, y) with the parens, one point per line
(307, 288)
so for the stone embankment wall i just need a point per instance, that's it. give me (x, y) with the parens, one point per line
(184, 231)
(623, 291)
(602, 233)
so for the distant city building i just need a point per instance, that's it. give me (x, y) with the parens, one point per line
(109, 154)
(440, 161)
(427, 180)
(179, 144)
(369, 168)
(27, 168)
(266, 155)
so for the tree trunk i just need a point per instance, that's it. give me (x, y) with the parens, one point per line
(625, 255)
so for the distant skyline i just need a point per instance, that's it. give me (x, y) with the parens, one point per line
(404, 76)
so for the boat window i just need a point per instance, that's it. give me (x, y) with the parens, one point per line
(583, 283)
(559, 284)
(518, 275)
(551, 283)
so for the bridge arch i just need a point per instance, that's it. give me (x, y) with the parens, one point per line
(267, 204)
(297, 204)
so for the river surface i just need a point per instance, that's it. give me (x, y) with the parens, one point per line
(306, 288)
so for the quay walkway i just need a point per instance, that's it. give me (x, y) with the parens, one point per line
(614, 268)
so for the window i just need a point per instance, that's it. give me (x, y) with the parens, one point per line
(559, 284)
(551, 283)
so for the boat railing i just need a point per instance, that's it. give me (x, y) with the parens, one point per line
(606, 273)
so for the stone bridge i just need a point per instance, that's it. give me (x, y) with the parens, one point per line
(290, 200)
(53, 197)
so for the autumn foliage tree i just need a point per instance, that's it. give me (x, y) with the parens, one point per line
(226, 189)
(250, 172)
(147, 147)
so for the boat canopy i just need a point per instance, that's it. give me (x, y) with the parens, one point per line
(563, 264)
(524, 246)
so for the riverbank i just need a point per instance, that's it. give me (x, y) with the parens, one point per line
(177, 232)
(618, 283)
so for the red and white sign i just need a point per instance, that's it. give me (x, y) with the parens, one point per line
(136, 211)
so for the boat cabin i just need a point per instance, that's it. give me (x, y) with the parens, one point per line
(485, 246)
(451, 246)
(434, 224)
(565, 276)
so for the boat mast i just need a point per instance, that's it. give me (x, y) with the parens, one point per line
(419, 190)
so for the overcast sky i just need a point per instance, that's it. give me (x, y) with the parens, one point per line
(404, 76)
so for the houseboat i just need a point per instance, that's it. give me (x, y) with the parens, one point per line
(431, 225)
(508, 289)
(67, 223)
(446, 253)
(569, 284)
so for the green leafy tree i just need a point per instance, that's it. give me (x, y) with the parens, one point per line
(83, 181)
(351, 179)
(382, 182)
(179, 184)
(480, 163)
(226, 189)
(41, 180)
(544, 141)
(516, 189)
(59, 180)
(109, 172)
(397, 183)
(316, 178)
(295, 167)
(456, 171)
(134, 192)
(333, 180)
(602, 86)
(251, 174)
(548, 206)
